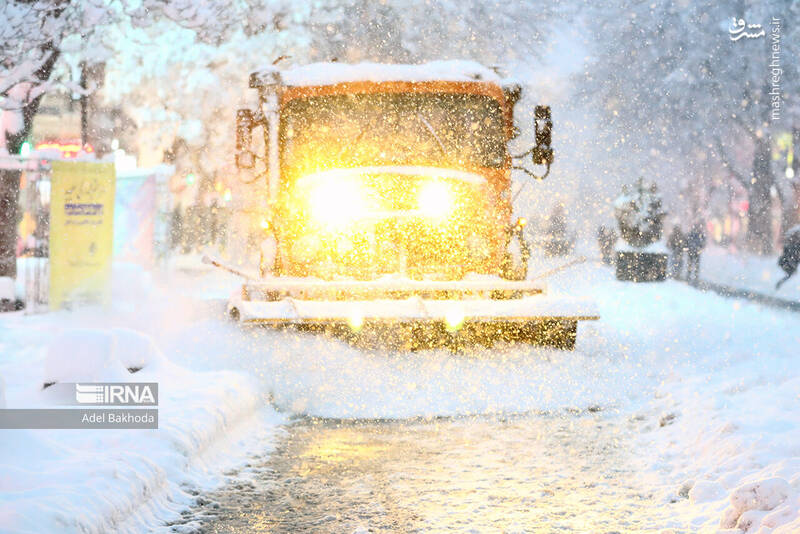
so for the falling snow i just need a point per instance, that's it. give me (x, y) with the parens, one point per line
(440, 346)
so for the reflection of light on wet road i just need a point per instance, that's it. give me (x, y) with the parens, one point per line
(523, 474)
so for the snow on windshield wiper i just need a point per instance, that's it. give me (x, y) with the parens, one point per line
(432, 132)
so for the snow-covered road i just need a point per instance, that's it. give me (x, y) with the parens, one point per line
(549, 472)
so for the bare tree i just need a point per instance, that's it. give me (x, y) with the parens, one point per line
(30, 46)
(31, 39)
(685, 93)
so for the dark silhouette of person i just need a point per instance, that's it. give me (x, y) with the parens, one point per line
(606, 239)
(676, 243)
(790, 257)
(695, 242)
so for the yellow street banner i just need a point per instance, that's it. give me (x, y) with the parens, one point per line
(81, 232)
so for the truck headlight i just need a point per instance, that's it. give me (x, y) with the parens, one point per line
(435, 200)
(337, 204)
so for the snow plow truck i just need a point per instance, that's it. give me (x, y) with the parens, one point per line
(389, 206)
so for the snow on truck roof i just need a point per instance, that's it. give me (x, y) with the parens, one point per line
(316, 74)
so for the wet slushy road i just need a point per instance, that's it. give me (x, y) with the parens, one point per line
(565, 472)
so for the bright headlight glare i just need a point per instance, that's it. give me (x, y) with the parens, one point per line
(435, 200)
(337, 203)
(454, 319)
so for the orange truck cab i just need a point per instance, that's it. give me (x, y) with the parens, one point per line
(383, 169)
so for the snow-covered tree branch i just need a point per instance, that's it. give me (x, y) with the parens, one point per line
(671, 77)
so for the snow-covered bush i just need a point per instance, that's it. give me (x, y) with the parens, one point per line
(99, 355)
(82, 355)
(134, 349)
(639, 214)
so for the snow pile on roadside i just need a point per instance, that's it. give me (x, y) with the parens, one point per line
(7, 288)
(119, 480)
(729, 435)
(744, 451)
(747, 271)
(723, 383)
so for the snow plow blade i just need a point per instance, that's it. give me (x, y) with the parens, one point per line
(434, 312)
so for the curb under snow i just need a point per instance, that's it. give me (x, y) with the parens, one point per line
(125, 480)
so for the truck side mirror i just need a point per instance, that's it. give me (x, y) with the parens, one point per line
(543, 126)
(245, 122)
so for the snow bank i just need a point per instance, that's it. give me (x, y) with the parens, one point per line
(135, 351)
(720, 382)
(100, 355)
(120, 480)
(82, 355)
(730, 381)
(747, 271)
(7, 289)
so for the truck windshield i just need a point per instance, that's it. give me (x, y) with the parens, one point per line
(354, 130)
